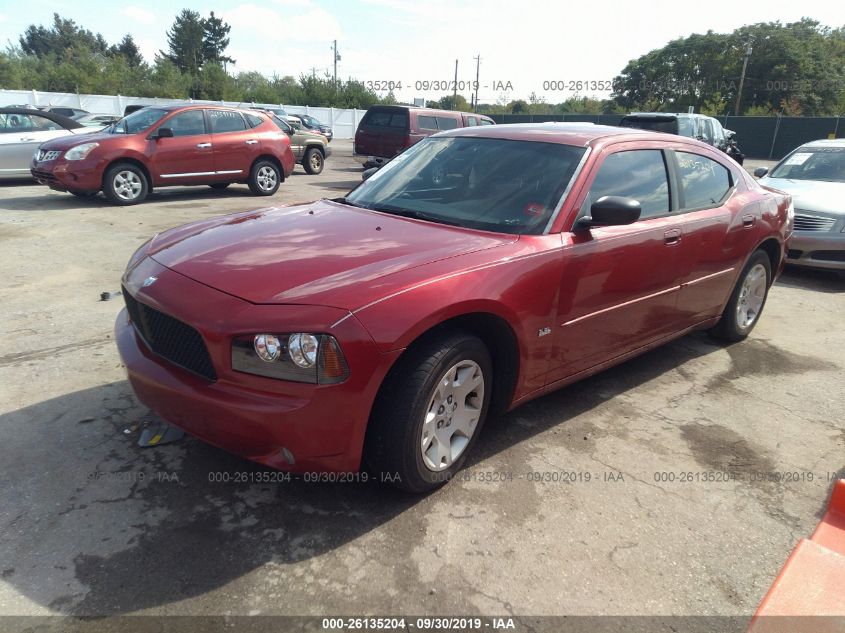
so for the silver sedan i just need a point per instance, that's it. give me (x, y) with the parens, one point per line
(22, 131)
(815, 176)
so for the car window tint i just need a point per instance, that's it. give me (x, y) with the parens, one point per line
(426, 122)
(386, 118)
(254, 120)
(188, 123)
(486, 122)
(472, 121)
(705, 130)
(704, 182)
(446, 123)
(637, 174)
(226, 121)
(283, 125)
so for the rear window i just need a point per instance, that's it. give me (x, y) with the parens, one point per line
(670, 126)
(386, 118)
(254, 120)
(426, 122)
(704, 181)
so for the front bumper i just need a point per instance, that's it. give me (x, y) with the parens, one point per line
(62, 175)
(817, 249)
(297, 427)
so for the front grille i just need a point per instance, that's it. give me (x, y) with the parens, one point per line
(813, 223)
(44, 156)
(171, 339)
(42, 175)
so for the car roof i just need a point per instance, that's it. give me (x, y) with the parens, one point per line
(578, 134)
(64, 121)
(421, 110)
(826, 142)
(668, 115)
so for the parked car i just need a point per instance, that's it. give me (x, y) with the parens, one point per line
(384, 327)
(98, 120)
(310, 149)
(166, 146)
(386, 131)
(814, 175)
(22, 130)
(315, 126)
(697, 126)
(71, 113)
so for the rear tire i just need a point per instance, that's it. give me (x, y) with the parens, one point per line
(747, 300)
(313, 161)
(125, 184)
(264, 178)
(430, 411)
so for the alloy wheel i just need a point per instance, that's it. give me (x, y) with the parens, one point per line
(127, 185)
(266, 178)
(751, 297)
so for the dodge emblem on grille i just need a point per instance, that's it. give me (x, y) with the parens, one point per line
(149, 281)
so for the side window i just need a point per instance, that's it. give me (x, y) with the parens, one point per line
(426, 122)
(42, 123)
(226, 121)
(486, 122)
(446, 123)
(637, 174)
(188, 123)
(705, 130)
(472, 121)
(704, 182)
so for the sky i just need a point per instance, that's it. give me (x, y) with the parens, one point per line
(529, 46)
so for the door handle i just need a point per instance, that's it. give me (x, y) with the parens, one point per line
(251, 142)
(748, 220)
(672, 236)
(203, 145)
(27, 140)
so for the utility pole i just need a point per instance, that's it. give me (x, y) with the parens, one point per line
(455, 94)
(477, 69)
(742, 78)
(336, 59)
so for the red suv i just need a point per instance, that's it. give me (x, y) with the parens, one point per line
(168, 146)
(386, 131)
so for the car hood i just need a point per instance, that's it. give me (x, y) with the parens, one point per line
(80, 135)
(322, 253)
(811, 195)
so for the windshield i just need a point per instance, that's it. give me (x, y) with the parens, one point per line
(813, 163)
(481, 183)
(138, 121)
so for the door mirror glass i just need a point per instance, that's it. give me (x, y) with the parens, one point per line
(164, 132)
(761, 171)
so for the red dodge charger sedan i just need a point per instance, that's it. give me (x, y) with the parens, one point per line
(481, 268)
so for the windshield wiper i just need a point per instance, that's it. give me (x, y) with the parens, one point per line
(411, 213)
(347, 202)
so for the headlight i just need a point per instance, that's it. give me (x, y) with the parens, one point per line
(790, 213)
(80, 151)
(301, 357)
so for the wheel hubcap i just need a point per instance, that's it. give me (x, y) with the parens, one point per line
(452, 415)
(127, 185)
(315, 161)
(266, 178)
(751, 297)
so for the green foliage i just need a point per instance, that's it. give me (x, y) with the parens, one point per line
(215, 40)
(797, 67)
(185, 42)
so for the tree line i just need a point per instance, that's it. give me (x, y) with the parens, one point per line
(792, 69)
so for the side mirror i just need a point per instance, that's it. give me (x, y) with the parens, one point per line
(760, 172)
(164, 132)
(610, 211)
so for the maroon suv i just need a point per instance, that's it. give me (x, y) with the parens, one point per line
(386, 131)
(168, 146)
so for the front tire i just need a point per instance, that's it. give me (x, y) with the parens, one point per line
(430, 411)
(313, 161)
(264, 178)
(747, 300)
(125, 184)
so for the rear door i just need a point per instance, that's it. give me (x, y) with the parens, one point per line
(719, 225)
(620, 284)
(187, 156)
(20, 136)
(235, 144)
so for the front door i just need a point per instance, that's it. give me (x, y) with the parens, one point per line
(235, 144)
(620, 284)
(185, 158)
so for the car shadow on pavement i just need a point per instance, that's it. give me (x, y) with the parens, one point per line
(812, 279)
(60, 201)
(94, 525)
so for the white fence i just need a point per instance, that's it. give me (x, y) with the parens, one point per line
(344, 122)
